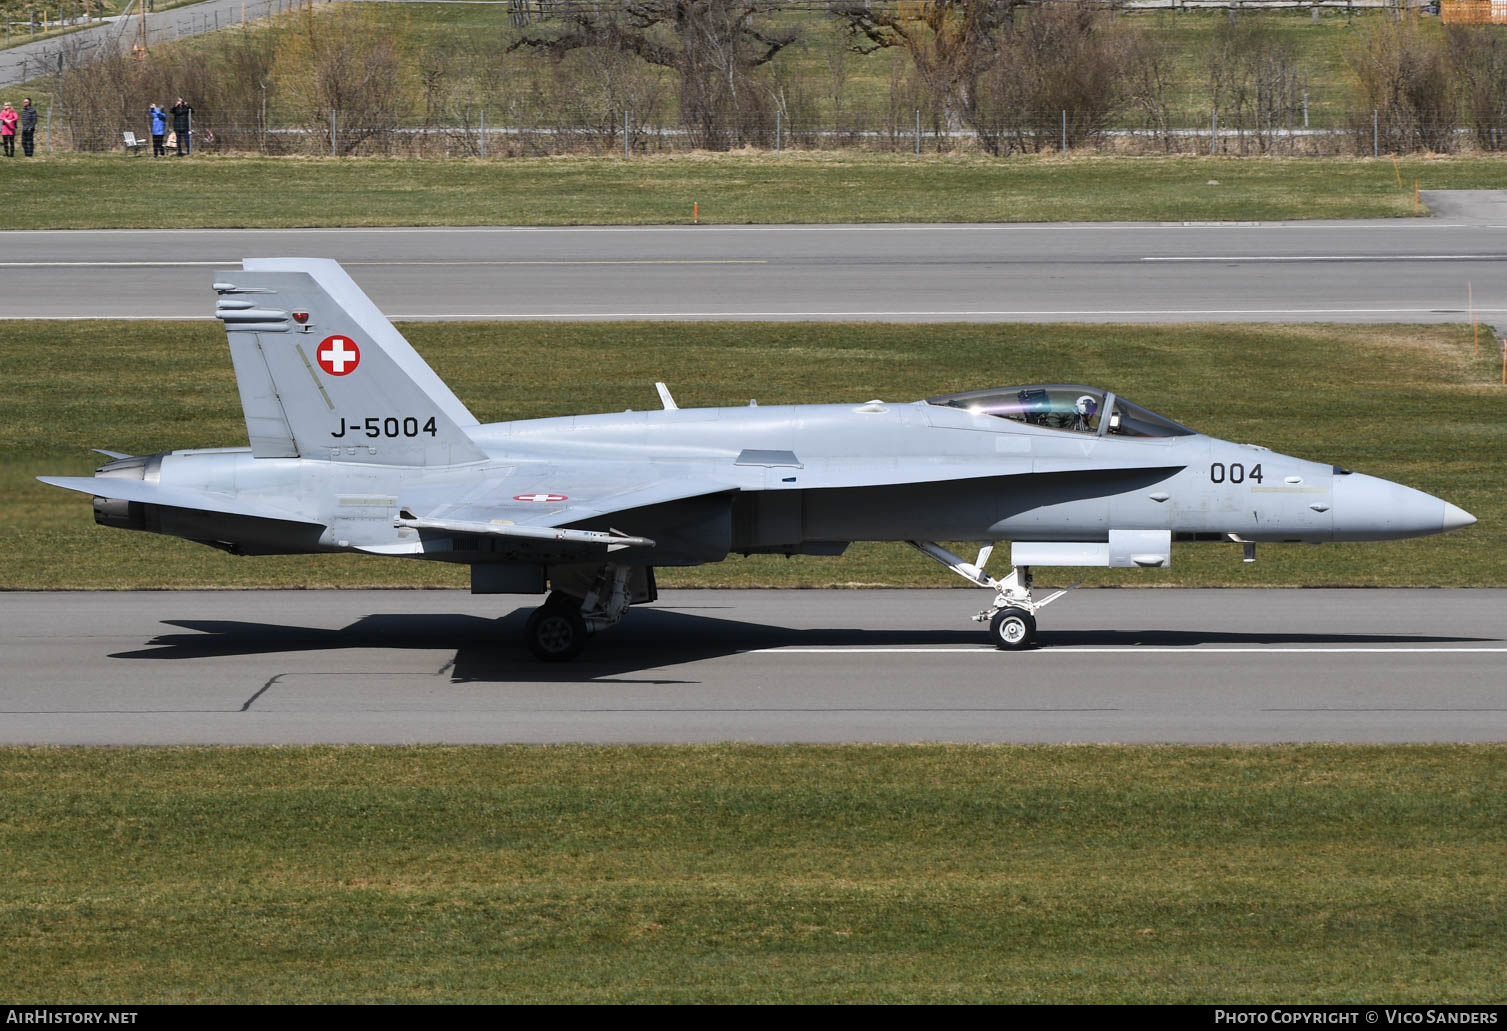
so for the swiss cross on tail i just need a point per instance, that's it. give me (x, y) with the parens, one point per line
(338, 355)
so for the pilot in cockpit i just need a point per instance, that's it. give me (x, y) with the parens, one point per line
(1080, 417)
(1087, 407)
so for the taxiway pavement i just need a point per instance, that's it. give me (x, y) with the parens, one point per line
(1397, 270)
(1141, 665)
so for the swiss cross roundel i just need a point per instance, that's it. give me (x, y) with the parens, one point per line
(338, 356)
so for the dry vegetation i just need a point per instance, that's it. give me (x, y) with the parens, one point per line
(1002, 77)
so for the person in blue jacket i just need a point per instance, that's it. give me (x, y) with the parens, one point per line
(159, 129)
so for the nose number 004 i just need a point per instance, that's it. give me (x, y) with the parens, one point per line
(1235, 472)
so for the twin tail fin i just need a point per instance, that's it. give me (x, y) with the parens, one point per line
(324, 375)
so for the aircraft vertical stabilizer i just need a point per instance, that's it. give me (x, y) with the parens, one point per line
(324, 375)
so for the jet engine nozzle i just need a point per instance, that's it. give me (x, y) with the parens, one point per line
(126, 515)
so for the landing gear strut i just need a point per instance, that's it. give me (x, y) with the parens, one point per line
(1012, 617)
(557, 630)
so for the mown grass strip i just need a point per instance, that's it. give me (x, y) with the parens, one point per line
(1407, 403)
(738, 874)
(120, 191)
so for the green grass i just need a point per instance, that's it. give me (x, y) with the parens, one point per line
(754, 874)
(122, 191)
(1406, 403)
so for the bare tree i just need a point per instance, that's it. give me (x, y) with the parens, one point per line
(1253, 80)
(1478, 62)
(353, 60)
(1402, 74)
(1055, 68)
(1149, 72)
(951, 43)
(1067, 63)
(714, 46)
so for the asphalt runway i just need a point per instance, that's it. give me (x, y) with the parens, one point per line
(264, 667)
(1400, 270)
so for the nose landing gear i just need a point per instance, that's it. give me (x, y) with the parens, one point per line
(1012, 617)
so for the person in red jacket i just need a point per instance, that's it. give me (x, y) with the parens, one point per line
(8, 120)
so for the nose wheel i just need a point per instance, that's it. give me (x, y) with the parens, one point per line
(1013, 629)
(1012, 617)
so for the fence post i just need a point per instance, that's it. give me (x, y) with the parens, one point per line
(779, 123)
(625, 134)
(918, 132)
(1214, 131)
(1305, 103)
(1064, 133)
(334, 150)
(483, 144)
(1375, 133)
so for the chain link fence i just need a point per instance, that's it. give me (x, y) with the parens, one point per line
(483, 137)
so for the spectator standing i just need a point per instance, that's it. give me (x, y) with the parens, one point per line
(159, 129)
(28, 127)
(8, 120)
(183, 125)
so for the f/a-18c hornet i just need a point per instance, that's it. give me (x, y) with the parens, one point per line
(357, 446)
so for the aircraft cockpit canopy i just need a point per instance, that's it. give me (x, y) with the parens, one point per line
(1065, 406)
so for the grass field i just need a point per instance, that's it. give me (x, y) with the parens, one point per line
(122, 191)
(741, 874)
(1405, 403)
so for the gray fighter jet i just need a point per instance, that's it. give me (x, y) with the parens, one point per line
(356, 445)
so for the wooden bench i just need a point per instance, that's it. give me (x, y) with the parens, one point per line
(133, 145)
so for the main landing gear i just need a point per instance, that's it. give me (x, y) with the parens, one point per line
(557, 630)
(1012, 617)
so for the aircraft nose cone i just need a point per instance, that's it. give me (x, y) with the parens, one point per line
(1457, 518)
(1369, 508)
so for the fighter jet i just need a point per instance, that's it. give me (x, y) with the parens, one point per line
(357, 446)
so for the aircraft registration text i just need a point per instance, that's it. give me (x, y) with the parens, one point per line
(388, 426)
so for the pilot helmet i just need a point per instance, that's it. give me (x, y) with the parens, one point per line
(1087, 405)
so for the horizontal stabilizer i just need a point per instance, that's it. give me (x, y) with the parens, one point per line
(122, 489)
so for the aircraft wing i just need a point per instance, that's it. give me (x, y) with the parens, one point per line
(560, 496)
(538, 510)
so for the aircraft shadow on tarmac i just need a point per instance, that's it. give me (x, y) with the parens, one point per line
(491, 650)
